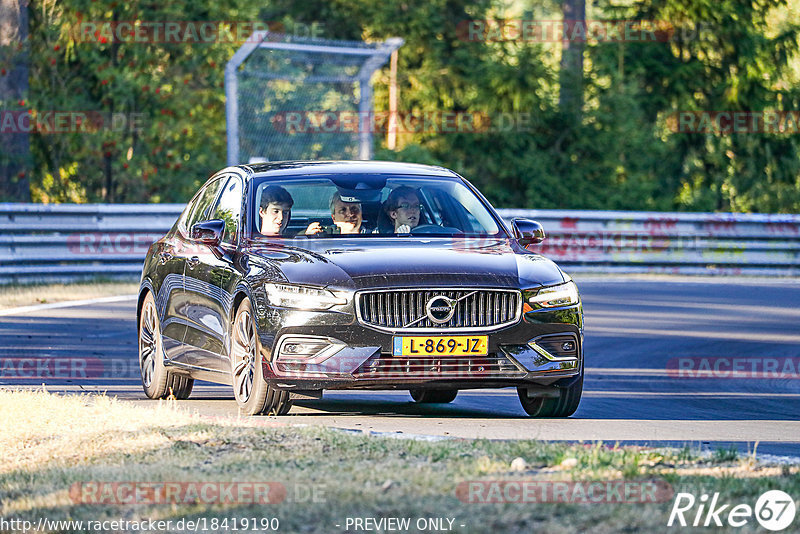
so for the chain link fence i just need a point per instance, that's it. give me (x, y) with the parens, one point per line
(281, 89)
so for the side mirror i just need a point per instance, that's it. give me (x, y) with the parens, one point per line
(527, 232)
(208, 232)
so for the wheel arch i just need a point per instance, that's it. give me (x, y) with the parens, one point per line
(144, 289)
(239, 294)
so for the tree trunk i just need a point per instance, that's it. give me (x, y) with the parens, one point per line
(15, 154)
(572, 46)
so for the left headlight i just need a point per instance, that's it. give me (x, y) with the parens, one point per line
(302, 297)
(552, 297)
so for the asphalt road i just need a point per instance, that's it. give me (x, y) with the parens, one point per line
(645, 340)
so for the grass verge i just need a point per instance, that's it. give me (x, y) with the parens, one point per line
(15, 296)
(56, 451)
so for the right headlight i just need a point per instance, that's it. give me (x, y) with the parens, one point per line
(553, 296)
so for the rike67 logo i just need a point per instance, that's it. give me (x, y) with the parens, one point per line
(774, 510)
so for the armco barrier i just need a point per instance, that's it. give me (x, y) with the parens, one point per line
(66, 241)
(57, 242)
(657, 242)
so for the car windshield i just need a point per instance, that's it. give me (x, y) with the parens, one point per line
(359, 205)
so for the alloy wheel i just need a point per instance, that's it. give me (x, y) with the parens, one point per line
(244, 355)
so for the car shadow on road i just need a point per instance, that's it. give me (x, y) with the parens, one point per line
(402, 407)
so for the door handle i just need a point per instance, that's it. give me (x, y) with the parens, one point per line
(192, 262)
(164, 257)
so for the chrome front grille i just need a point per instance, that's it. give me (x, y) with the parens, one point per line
(400, 310)
(437, 367)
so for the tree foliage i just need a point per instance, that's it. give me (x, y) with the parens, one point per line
(722, 55)
(168, 98)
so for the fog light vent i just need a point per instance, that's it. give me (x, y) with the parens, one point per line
(559, 345)
(304, 349)
(307, 349)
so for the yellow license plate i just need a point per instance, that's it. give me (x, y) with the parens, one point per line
(440, 346)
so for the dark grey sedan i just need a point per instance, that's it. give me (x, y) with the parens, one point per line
(286, 279)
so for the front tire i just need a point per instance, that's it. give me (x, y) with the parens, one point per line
(443, 396)
(253, 395)
(563, 405)
(158, 382)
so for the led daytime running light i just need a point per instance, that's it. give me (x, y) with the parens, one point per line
(301, 297)
(555, 296)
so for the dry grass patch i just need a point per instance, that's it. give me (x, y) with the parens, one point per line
(52, 446)
(29, 295)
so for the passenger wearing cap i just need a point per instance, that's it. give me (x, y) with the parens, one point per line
(347, 216)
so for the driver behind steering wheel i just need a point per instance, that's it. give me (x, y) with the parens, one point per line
(402, 206)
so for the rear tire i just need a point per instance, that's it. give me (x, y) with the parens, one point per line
(562, 406)
(158, 382)
(253, 395)
(428, 396)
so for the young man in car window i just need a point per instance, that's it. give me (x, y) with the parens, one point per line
(402, 206)
(275, 210)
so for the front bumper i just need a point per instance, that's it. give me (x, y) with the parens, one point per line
(544, 348)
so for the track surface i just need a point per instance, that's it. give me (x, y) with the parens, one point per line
(634, 327)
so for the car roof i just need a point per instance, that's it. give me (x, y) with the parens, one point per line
(303, 168)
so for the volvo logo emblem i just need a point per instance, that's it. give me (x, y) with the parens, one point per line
(440, 309)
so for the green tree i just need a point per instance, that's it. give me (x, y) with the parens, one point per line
(15, 162)
(723, 56)
(172, 91)
(621, 153)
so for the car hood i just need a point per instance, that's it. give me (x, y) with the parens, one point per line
(380, 262)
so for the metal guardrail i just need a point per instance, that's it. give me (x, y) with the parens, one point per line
(65, 241)
(658, 242)
(57, 242)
